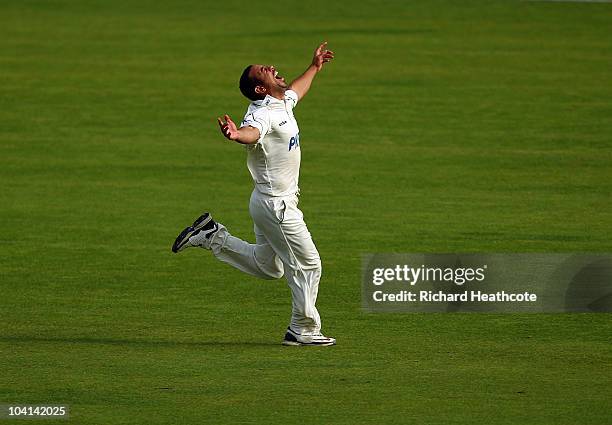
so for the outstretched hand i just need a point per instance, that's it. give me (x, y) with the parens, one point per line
(321, 56)
(228, 128)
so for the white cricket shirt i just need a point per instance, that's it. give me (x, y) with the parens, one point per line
(274, 161)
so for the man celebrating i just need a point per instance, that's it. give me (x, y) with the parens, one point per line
(284, 246)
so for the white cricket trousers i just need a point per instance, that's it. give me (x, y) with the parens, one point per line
(283, 246)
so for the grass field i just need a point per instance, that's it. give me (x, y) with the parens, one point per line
(440, 127)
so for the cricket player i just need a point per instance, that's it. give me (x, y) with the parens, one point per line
(283, 245)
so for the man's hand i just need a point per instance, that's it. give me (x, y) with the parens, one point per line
(246, 135)
(321, 56)
(301, 84)
(228, 128)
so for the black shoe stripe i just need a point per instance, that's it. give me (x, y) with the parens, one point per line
(182, 238)
(202, 221)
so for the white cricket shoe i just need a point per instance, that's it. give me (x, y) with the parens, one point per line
(294, 339)
(198, 234)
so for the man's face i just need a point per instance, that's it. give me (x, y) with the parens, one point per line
(268, 79)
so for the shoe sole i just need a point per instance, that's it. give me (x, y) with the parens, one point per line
(299, 344)
(188, 232)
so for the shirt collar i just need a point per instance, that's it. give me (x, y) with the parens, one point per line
(268, 101)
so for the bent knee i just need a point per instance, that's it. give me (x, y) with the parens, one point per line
(273, 269)
(274, 274)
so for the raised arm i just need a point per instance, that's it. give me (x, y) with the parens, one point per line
(245, 135)
(301, 84)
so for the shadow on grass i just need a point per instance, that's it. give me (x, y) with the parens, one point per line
(135, 342)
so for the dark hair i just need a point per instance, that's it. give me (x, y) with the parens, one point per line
(248, 84)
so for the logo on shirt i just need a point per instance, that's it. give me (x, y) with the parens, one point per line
(282, 123)
(294, 141)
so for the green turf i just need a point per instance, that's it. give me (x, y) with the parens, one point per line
(441, 126)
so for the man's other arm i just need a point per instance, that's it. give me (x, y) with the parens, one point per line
(246, 135)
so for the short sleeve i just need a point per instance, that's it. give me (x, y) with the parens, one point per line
(260, 119)
(291, 97)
